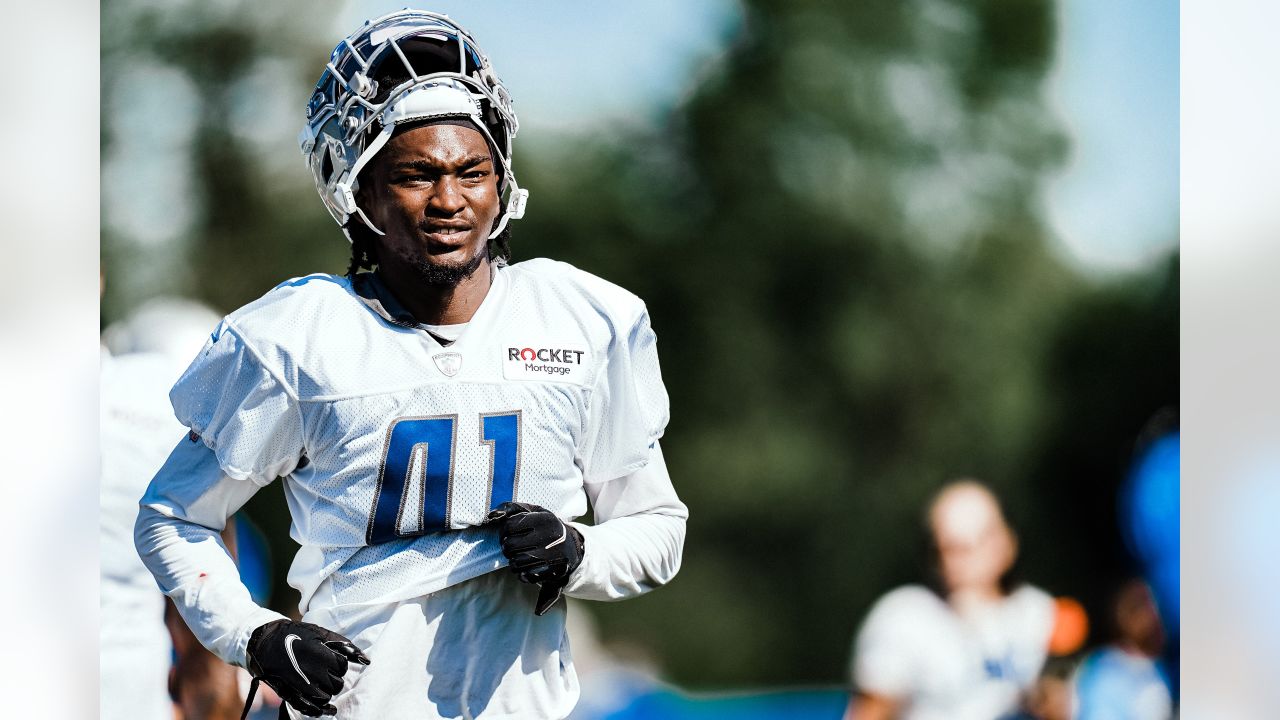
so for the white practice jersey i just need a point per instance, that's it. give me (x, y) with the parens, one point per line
(137, 432)
(915, 648)
(394, 447)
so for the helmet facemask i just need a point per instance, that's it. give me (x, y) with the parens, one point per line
(404, 67)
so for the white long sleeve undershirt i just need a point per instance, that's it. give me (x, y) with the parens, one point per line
(635, 545)
(638, 539)
(177, 535)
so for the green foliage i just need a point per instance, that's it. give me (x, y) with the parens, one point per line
(839, 238)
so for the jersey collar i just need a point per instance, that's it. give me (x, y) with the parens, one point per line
(375, 294)
(378, 298)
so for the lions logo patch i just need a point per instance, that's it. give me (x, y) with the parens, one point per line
(448, 363)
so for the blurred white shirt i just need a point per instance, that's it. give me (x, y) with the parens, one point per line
(915, 648)
(138, 430)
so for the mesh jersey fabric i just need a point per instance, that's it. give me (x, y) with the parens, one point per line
(472, 650)
(394, 448)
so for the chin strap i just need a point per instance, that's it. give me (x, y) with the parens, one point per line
(368, 223)
(517, 198)
(344, 195)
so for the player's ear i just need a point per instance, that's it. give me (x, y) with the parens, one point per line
(361, 189)
(366, 182)
(364, 200)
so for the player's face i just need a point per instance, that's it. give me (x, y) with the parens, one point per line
(434, 191)
(975, 546)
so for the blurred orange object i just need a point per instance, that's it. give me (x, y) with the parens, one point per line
(1070, 627)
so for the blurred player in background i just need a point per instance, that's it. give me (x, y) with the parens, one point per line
(147, 668)
(438, 419)
(973, 648)
(168, 329)
(1125, 680)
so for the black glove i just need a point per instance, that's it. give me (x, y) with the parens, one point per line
(540, 548)
(303, 663)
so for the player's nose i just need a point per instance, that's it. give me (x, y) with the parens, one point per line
(447, 198)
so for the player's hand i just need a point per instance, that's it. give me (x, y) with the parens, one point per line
(302, 662)
(540, 548)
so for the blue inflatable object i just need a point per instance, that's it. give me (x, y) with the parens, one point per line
(1150, 520)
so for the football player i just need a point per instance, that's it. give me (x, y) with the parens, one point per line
(440, 418)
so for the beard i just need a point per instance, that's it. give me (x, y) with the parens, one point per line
(445, 274)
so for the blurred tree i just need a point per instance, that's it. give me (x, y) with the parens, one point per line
(1111, 364)
(839, 237)
(225, 82)
(227, 79)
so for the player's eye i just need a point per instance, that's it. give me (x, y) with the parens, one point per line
(410, 178)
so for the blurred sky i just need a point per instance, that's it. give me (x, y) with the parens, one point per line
(570, 65)
(573, 66)
(1115, 88)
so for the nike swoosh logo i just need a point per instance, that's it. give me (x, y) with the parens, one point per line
(289, 640)
(564, 533)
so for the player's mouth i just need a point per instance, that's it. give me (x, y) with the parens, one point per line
(448, 235)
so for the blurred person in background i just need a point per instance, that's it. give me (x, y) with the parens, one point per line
(1125, 680)
(151, 667)
(167, 329)
(972, 647)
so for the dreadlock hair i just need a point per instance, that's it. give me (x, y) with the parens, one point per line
(500, 247)
(363, 246)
